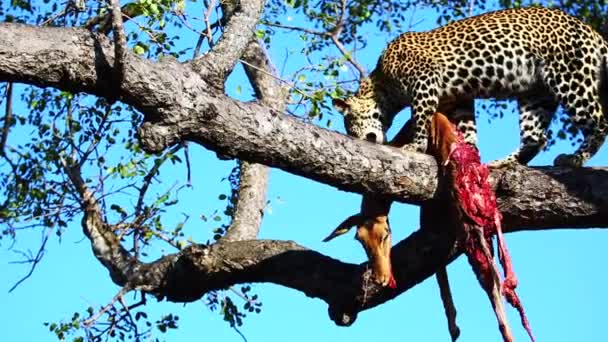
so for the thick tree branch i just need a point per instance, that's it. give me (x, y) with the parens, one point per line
(253, 180)
(179, 105)
(240, 26)
(251, 201)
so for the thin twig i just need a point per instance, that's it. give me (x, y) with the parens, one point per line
(188, 168)
(96, 136)
(89, 322)
(35, 261)
(240, 333)
(334, 38)
(348, 56)
(301, 92)
(65, 11)
(128, 314)
(150, 176)
(297, 28)
(243, 297)
(208, 32)
(142, 192)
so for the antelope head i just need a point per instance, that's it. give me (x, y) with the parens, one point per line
(374, 234)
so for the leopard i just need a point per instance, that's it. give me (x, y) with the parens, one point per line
(541, 57)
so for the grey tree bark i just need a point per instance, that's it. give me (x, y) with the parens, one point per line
(185, 102)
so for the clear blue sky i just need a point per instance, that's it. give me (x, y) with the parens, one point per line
(562, 273)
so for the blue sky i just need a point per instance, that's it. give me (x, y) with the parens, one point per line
(561, 273)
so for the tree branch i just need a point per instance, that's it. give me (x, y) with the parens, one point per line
(105, 244)
(254, 177)
(251, 201)
(120, 42)
(8, 118)
(348, 56)
(179, 105)
(242, 18)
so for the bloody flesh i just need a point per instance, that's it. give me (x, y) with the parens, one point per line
(478, 212)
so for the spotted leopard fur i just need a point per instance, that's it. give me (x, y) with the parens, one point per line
(541, 57)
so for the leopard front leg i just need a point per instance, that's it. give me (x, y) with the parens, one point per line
(424, 105)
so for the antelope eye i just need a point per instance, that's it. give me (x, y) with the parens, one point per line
(385, 237)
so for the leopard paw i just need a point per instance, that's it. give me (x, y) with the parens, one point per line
(568, 160)
(508, 162)
(413, 147)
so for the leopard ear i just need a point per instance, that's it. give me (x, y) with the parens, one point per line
(341, 106)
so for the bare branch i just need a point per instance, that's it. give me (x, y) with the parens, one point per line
(35, 260)
(129, 11)
(254, 177)
(8, 117)
(247, 219)
(105, 244)
(179, 105)
(120, 42)
(348, 55)
(334, 36)
(239, 30)
(298, 28)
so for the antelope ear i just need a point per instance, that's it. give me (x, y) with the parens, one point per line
(341, 106)
(345, 226)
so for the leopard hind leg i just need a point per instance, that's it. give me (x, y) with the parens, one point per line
(578, 91)
(535, 114)
(591, 122)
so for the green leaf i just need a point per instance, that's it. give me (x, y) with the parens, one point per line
(139, 49)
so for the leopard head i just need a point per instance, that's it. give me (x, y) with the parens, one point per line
(364, 113)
